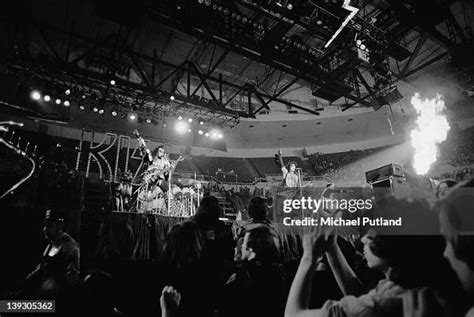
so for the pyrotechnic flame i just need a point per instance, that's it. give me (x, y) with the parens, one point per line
(432, 129)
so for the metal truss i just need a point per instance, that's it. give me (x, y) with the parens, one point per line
(267, 49)
(333, 73)
(152, 91)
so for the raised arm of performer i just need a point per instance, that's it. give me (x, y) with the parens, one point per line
(143, 148)
(284, 170)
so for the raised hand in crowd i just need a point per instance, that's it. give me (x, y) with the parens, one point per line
(169, 301)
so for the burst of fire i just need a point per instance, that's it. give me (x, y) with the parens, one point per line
(432, 129)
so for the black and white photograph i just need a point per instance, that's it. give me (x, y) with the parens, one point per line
(214, 158)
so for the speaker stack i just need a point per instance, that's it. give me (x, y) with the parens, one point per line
(388, 179)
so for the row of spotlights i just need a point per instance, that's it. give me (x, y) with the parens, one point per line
(181, 127)
(190, 120)
(36, 95)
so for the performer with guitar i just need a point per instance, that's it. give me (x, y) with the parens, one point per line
(159, 166)
(290, 178)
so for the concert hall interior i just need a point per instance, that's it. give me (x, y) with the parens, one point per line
(161, 157)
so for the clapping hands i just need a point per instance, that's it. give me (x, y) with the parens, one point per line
(317, 242)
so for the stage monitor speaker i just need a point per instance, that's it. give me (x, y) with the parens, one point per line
(390, 186)
(384, 172)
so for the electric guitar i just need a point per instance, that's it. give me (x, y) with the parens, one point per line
(153, 174)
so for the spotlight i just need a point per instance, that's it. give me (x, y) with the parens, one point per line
(362, 47)
(67, 103)
(83, 96)
(67, 92)
(207, 134)
(95, 109)
(148, 120)
(171, 97)
(112, 82)
(190, 120)
(358, 42)
(215, 134)
(81, 107)
(189, 130)
(35, 95)
(47, 98)
(101, 111)
(114, 113)
(200, 132)
(219, 135)
(58, 101)
(180, 118)
(289, 6)
(132, 116)
(201, 122)
(181, 127)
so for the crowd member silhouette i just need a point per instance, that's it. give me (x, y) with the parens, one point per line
(408, 262)
(258, 213)
(457, 227)
(61, 255)
(219, 244)
(184, 267)
(258, 285)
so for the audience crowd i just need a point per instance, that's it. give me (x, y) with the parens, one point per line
(211, 268)
(458, 175)
(329, 164)
(208, 267)
(458, 148)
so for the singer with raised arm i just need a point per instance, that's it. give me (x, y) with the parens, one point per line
(290, 177)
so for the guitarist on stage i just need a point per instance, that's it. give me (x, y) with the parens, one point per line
(159, 166)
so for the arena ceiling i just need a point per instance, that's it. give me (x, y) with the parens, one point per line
(223, 60)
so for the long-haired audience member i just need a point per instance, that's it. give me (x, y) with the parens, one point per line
(257, 211)
(257, 288)
(457, 226)
(183, 268)
(409, 262)
(219, 244)
(183, 246)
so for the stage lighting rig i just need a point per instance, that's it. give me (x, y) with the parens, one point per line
(35, 95)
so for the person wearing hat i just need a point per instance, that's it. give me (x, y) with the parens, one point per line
(61, 256)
